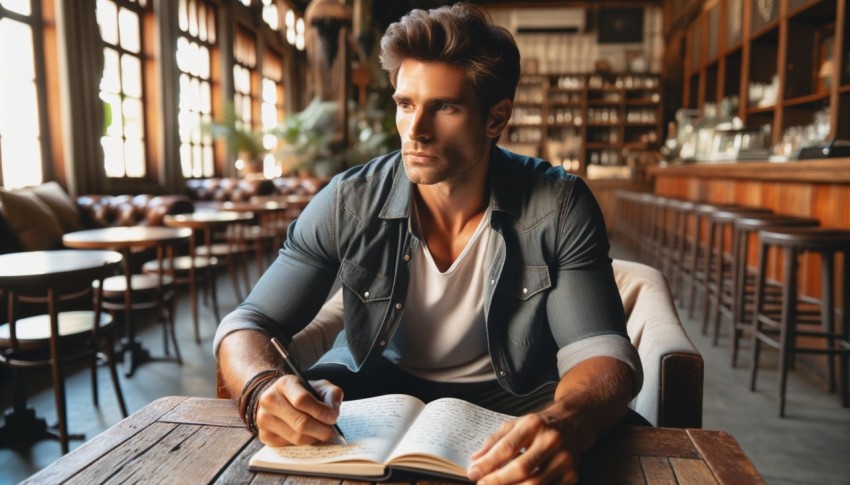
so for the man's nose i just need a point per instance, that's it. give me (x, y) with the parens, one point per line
(420, 125)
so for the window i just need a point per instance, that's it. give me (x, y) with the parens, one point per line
(270, 14)
(122, 87)
(21, 159)
(194, 55)
(244, 66)
(294, 29)
(271, 110)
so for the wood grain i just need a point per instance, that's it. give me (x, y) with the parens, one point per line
(75, 461)
(720, 450)
(657, 470)
(692, 472)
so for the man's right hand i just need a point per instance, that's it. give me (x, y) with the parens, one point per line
(287, 414)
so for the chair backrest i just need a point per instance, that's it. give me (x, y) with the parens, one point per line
(673, 368)
(671, 395)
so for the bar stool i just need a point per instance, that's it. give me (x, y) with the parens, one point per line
(720, 277)
(739, 306)
(681, 214)
(782, 334)
(705, 253)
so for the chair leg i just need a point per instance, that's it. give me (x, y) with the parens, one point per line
(56, 370)
(214, 294)
(94, 392)
(113, 373)
(170, 321)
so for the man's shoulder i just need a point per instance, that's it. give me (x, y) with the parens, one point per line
(533, 168)
(374, 170)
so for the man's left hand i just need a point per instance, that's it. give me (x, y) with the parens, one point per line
(529, 449)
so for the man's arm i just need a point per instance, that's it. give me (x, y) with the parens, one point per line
(545, 447)
(286, 413)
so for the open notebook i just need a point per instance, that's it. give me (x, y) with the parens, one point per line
(392, 432)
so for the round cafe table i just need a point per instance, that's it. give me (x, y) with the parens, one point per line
(125, 240)
(46, 275)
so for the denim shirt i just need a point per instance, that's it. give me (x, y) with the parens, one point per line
(551, 283)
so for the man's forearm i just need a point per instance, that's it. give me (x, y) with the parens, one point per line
(242, 355)
(590, 398)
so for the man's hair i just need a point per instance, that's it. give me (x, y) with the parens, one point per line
(462, 35)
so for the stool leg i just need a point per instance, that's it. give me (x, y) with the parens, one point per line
(788, 324)
(827, 310)
(845, 330)
(692, 283)
(739, 285)
(759, 299)
(705, 299)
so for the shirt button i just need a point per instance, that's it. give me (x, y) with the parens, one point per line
(492, 282)
(524, 291)
(398, 306)
(366, 295)
(383, 343)
(406, 258)
(502, 373)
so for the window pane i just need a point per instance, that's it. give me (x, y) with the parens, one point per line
(18, 6)
(205, 98)
(133, 117)
(21, 162)
(113, 156)
(17, 61)
(111, 81)
(134, 157)
(203, 62)
(107, 18)
(131, 70)
(18, 96)
(182, 16)
(128, 22)
(185, 160)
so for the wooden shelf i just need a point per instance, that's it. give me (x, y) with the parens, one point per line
(639, 95)
(806, 99)
(754, 110)
(785, 55)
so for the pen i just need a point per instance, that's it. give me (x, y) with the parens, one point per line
(294, 369)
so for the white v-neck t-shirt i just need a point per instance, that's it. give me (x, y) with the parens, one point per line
(442, 336)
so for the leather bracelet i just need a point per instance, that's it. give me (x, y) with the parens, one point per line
(250, 395)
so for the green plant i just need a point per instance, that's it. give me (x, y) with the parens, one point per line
(240, 139)
(305, 139)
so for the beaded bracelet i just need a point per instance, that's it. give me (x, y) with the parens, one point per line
(251, 395)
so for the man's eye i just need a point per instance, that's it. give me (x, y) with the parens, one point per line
(403, 106)
(444, 107)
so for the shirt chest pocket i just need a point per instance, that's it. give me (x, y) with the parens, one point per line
(367, 285)
(523, 282)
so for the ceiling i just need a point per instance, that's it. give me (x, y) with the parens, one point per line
(387, 11)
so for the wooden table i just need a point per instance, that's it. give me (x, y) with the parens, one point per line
(199, 440)
(125, 239)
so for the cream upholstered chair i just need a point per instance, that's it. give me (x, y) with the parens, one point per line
(671, 395)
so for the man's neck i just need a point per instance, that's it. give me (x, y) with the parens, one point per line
(449, 213)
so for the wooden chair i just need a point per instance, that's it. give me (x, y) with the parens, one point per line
(59, 336)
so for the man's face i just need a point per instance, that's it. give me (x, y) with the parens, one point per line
(438, 116)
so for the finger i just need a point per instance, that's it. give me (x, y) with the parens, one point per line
(303, 401)
(528, 464)
(560, 469)
(506, 448)
(331, 394)
(493, 439)
(278, 415)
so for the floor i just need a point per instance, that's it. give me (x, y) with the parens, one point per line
(810, 445)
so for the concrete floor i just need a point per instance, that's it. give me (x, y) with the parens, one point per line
(811, 445)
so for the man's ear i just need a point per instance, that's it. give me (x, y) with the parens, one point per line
(498, 117)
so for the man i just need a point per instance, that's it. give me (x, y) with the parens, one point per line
(465, 271)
